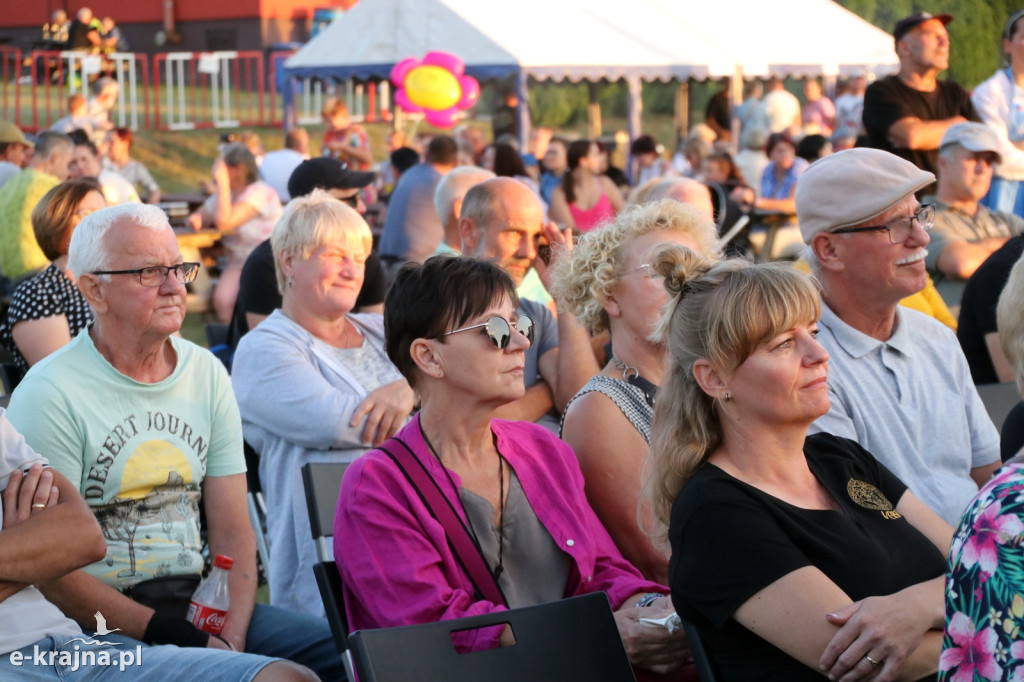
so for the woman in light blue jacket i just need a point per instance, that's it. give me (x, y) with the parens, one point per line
(312, 381)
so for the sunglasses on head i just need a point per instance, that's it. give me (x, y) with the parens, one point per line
(499, 330)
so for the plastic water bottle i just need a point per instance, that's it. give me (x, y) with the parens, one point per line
(211, 600)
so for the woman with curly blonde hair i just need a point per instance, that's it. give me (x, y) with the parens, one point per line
(794, 556)
(609, 284)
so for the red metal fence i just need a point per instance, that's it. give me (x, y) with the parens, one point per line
(188, 90)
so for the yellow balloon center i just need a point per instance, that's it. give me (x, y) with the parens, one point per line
(432, 87)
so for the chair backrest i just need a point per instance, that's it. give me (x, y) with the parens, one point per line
(328, 580)
(322, 480)
(999, 399)
(569, 639)
(706, 669)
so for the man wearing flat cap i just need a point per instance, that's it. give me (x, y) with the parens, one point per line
(966, 233)
(898, 382)
(908, 113)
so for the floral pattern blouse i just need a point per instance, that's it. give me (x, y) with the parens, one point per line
(985, 586)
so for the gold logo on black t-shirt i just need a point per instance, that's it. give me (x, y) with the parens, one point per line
(870, 497)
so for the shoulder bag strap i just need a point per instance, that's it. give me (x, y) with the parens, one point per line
(466, 550)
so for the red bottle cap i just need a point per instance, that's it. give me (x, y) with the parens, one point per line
(224, 562)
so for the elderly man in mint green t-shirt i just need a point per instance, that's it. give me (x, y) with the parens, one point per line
(145, 423)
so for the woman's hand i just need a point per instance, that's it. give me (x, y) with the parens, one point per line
(744, 196)
(651, 647)
(559, 243)
(886, 629)
(220, 174)
(195, 221)
(385, 409)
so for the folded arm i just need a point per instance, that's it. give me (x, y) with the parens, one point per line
(279, 386)
(912, 132)
(961, 258)
(895, 631)
(44, 543)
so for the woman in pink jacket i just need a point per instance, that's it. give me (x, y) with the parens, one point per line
(451, 328)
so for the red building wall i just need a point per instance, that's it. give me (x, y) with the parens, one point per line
(35, 13)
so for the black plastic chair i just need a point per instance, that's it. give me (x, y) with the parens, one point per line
(322, 481)
(257, 510)
(706, 669)
(569, 639)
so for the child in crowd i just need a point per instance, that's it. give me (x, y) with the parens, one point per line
(77, 119)
(344, 140)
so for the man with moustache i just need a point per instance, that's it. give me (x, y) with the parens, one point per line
(898, 382)
(908, 113)
(502, 220)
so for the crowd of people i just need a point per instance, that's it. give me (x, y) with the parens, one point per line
(601, 389)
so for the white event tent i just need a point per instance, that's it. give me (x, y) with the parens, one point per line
(635, 40)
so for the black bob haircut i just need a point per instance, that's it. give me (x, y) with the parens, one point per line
(426, 300)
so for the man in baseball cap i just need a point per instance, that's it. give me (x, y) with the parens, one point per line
(966, 233)
(258, 295)
(907, 113)
(13, 145)
(340, 181)
(898, 381)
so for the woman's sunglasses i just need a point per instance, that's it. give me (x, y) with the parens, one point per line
(499, 330)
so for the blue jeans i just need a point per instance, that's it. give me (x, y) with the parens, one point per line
(296, 637)
(125, 660)
(273, 633)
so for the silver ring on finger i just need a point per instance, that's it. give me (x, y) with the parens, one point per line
(873, 662)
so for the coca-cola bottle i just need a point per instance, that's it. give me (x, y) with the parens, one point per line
(211, 600)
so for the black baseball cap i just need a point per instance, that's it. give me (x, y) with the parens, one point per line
(325, 173)
(908, 24)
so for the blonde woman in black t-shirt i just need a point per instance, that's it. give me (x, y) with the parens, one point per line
(794, 556)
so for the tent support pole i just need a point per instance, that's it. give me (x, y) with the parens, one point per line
(288, 102)
(593, 112)
(523, 110)
(735, 99)
(682, 114)
(636, 107)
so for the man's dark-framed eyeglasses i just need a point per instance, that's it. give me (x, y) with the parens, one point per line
(899, 230)
(352, 201)
(156, 275)
(499, 330)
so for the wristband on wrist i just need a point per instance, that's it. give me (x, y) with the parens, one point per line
(648, 599)
(164, 629)
(226, 642)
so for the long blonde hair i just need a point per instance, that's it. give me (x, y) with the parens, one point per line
(720, 312)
